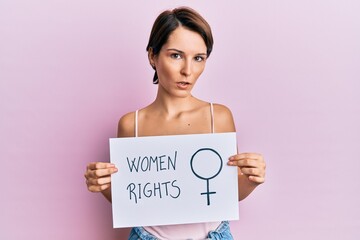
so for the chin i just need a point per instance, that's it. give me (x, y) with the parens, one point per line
(179, 93)
(182, 94)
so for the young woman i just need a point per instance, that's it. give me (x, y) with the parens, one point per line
(179, 46)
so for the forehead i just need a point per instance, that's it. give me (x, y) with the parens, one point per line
(186, 41)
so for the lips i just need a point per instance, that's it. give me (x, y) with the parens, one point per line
(183, 85)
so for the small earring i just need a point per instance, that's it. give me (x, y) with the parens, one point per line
(155, 78)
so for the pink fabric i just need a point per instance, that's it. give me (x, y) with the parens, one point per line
(194, 231)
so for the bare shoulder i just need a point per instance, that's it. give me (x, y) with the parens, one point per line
(222, 109)
(126, 125)
(223, 119)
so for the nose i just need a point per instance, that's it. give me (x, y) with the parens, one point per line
(186, 69)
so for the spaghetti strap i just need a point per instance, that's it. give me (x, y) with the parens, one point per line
(212, 118)
(136, 123)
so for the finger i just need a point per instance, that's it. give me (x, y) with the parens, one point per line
(247, 163)
(101, 172)
(258, 180)
(98, 181)
(255, 163)
(253, 172)
(99, 165)
(241, 156)
(105, 186)
(240, 172)
(94, 188)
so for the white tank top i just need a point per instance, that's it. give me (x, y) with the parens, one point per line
(193, 231)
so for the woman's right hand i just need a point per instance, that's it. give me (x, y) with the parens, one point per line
(98, 176)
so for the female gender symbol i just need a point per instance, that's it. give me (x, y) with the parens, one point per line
(210, 177)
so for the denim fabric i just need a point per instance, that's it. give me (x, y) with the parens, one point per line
(222, 232)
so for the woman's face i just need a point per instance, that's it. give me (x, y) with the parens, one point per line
(180, 62)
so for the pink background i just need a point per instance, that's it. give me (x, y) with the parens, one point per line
(289, 70)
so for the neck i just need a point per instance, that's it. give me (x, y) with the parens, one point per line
(172, 106)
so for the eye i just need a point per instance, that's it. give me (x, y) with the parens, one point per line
(199, 58)
(175, 56)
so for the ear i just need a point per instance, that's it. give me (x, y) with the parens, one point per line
(151, 58)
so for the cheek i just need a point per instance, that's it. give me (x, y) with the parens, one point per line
(199, 69)
(167, 69)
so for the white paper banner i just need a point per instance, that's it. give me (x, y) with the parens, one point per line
(176, 179)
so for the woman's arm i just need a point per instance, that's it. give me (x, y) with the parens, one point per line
(251, 172)
(98, 177)
(98, 174)
(251, 166)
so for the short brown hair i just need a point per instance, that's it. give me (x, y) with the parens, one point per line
(170, 20)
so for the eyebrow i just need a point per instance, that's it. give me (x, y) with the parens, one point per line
(179, 51)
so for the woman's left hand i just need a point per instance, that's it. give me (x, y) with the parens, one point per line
(251, 165)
